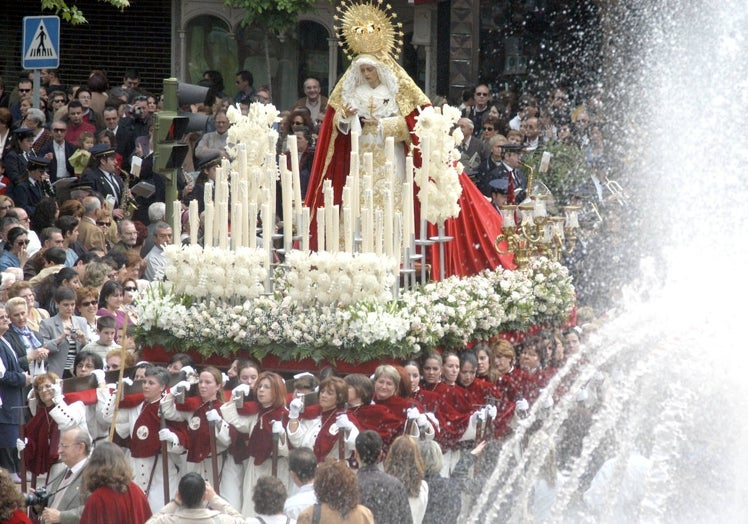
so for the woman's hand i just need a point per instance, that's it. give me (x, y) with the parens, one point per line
(39, 354)
(23, 256)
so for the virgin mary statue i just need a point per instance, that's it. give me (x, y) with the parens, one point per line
(376, 99)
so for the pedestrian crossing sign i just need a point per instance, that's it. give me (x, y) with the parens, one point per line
(41, 42)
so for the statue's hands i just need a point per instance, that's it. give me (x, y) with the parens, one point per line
(349, 111)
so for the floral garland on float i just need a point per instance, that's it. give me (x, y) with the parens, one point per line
(340, 304)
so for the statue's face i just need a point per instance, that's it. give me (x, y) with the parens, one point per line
(369, 72)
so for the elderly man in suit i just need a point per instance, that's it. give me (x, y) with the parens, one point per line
(89, 234)
(473, 150)
(68, 499)
(58, 152)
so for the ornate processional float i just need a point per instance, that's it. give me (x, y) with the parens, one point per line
(347, 278)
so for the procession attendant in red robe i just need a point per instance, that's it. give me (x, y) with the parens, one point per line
(415, 421)
(376, 99)
(243, 372)
(264, 421)
(318, 427)
(52, 415)
(375, 417)
(202, 415)
(114, 497)
(142, 422)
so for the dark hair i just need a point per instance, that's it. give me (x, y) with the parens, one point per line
(339, 386)
(216, 79)
(104, 322)
(109, 288)
(362, 385)
(74, 103)
(66, 224)
(303, 462)
(337, 486)
(66, 273)
(277, 386)
(184, 358)
(56, 255)
(246, 75)
(44, 214)
(95, 358)
(13, 235)
(97, 81)
(191, 490)
(107, 466)
(269, 496)
(369, 446)
(65, 293)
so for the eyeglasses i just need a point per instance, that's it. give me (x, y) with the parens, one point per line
(24, 90)
(104, 224)
(297, 123)
(88, 303)
(22, 242)
(488, 129)
(140, 99)
(58, 100)
(112, 276)
(58, 130)
(130, 288)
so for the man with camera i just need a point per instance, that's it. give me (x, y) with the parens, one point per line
(65, 497)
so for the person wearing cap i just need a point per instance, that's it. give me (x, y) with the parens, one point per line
(503, 164)
(207, 167)
(35, 186)
(103, 178)
(16, 158)
(499, 189)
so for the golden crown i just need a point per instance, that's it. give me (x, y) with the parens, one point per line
(368, 27)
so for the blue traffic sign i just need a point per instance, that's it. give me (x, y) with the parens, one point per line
(41, 42)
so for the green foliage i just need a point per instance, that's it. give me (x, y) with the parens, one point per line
(72, 14)
(275, 15)
(568, 169)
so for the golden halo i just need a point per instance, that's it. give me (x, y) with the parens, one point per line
(368, 27)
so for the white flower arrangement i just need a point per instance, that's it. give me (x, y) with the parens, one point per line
(438, 177)
(294, 323)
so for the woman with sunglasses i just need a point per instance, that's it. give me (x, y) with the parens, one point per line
(87, 303)
(130, 287)
(15, 253)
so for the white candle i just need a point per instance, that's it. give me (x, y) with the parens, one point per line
(507, 217)
(425, 162)
(335, 243)
(252, 225)
(237, 227)
(389, 149)
(540, 208)
(208, 198)
(208, 226)
(305, 217)
(397, 242)
(348, 228)
(267, 233)
(368, 164)
(387, 231)
(177, 224)
(545, 161)
(354, 142)
(242, 160)
(223, 236)
(321, 228)
(293, 150)
(378, 232)
(287, 195)
(194, 222)
(365, 230)
(244, 199)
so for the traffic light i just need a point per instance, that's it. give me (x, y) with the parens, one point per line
(170, 152)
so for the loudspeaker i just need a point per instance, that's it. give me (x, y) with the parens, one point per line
(188, 94)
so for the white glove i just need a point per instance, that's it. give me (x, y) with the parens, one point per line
(21, 444)
(422, 421)
(241, 390)
(582, 395)
(183, 385)
(167, 435)
(56, 390)
(278, 427)
(548, 403)
(413, 413)
(224, 378)
(127, 381)
(479, 415)
(522, 405)
(343, 422)
(213, 416)
(100, 376)
(491, 411)
(188, 371)
(295, 407)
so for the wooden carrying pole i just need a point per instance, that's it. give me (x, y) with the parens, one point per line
(118, 395)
